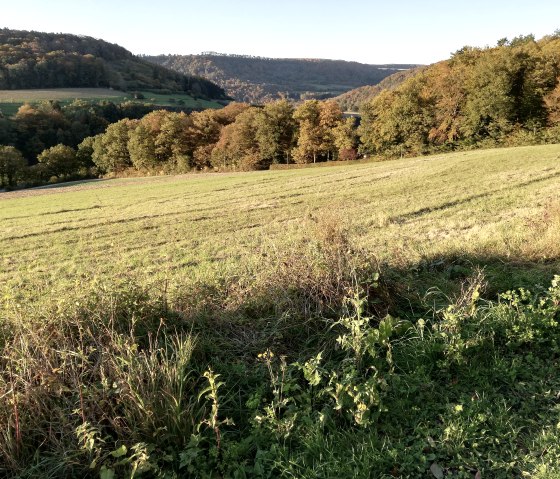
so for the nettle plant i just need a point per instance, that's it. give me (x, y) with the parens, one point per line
(135, 459)
(349, 386)
(470, 327)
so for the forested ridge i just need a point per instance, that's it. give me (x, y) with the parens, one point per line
(53, 60)
(258, 80)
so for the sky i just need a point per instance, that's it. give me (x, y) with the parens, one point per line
(377, 32)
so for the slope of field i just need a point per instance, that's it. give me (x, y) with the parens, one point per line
(256, 80)
(236, 325)
(11, 100)
(487, 204)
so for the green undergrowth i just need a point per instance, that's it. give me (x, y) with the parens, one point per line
(322, 362)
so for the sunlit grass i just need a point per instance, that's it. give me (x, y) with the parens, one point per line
(11, 100)
(486, 203)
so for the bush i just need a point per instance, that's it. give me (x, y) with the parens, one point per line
(348, 154)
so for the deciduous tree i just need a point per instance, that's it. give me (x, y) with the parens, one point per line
(110, 149)
(345, 138)
(12, 166)
(310, 139)
(276, 131)
(59, 160)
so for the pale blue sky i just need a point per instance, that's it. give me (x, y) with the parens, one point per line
(374, 31)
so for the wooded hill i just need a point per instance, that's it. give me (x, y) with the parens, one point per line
(30, 60)
(258, 80)
(495, 96)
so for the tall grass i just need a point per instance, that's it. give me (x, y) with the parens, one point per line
(312, 378)
(95, 357)
(114, 361)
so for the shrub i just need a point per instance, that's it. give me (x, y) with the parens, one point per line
(13, 167)
(59, 160)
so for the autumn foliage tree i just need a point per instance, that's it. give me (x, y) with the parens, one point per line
(276, 131)
(237, 145)
(316, 124)
(479, 97)
(110, 149)
(345, 139)
(330, 117)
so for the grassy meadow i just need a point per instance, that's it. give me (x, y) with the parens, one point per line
(348, 321)
(11, 100)
(488, 205)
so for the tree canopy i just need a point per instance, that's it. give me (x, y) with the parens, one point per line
(486, 97)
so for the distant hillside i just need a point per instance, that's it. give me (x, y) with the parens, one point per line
(30, 60)
(257, 80)
(354, 99)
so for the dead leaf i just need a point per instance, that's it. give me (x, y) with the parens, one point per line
(478, 475)
(436, 470)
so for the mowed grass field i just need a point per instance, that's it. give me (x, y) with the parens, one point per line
(58, 94)
(483, 206)
(321, 322)
(178, 99)
(11, 100)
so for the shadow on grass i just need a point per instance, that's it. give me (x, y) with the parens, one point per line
(292, 315)
(478, 395)
(447, 274)
(69, 183)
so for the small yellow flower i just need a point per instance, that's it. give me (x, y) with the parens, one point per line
(266, 356)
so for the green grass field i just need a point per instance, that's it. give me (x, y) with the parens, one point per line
(11, 100)
(20, 96)
(119, 294)
(469, 204)
(177, 99)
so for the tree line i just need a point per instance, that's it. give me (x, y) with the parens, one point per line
(39, 127)
(239, 136)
